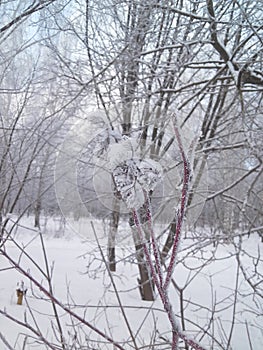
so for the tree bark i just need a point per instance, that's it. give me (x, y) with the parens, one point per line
(146, 285)
(114, 223)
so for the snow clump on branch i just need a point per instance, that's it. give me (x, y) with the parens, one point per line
(132, 175)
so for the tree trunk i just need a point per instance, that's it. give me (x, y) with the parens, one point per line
(37, 213)
(169, 241)
(146, 285)
(114, 223)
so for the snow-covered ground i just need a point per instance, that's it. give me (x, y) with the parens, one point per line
(80, 281)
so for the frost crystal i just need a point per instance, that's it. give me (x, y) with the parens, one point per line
(131, 175)
(150, 173)
(134, 176)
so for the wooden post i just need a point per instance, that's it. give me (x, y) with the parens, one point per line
(20, 292)
(20, 295)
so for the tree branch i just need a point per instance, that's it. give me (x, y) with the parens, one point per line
(29, 11)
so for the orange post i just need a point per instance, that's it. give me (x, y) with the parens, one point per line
(20, 292)
(20, 295)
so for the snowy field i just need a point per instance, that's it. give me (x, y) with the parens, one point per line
(81, 281)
